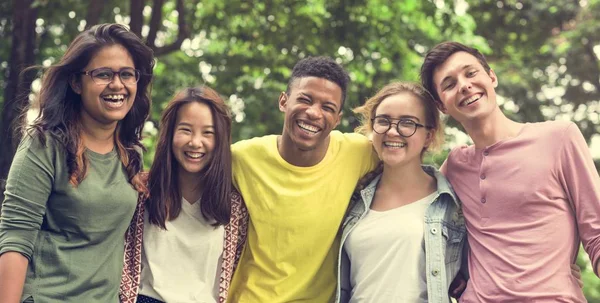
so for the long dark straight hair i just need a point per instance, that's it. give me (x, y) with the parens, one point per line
(164, 202)
(60, 106)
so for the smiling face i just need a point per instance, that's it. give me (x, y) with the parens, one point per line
(312, 110)
(466, 91)
(193, 138)
(392, 148)
(103, 105)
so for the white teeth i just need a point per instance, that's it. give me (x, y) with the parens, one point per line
(194, 155)
(114, 98)
(114, 104)
(471, 99)
(307, 127)
(394, 144)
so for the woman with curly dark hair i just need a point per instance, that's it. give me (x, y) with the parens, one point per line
(71, 191)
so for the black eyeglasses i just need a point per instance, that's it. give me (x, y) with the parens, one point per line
(404, 127)
(105, 75)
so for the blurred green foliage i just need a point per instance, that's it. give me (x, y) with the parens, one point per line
(544, 52)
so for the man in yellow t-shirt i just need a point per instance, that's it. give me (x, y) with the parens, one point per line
(297, 187)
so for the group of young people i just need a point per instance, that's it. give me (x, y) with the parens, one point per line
(310, 215)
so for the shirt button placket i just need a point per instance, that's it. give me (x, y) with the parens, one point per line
(482, 175)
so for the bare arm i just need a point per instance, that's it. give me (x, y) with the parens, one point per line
(13, 268)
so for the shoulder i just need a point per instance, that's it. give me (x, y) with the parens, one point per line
(460, 154)
(36, 143)
(551, 133)
(351, 140)
(550, 127)
(254, 144)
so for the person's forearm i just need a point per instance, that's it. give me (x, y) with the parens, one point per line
(13, 269)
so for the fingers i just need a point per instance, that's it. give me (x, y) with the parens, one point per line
(576, 272)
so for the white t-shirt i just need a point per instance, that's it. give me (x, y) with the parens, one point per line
(182, 263)
(387, 255)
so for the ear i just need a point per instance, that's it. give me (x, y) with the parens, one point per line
(429, 138)
(441, 106)
(283, 98)
(494, 78)
(338, 118)
(75, 84)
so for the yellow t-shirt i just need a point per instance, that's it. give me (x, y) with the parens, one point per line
(295, 213)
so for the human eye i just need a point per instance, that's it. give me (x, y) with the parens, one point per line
(209, 132)
(184, 129)
(102, 73)
(382, 121)
(448, 86)
(329, 109)
(304, 100)
(472, 73)
(406, 123)
(127, 73)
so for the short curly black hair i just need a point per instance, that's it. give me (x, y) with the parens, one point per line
(321, 67)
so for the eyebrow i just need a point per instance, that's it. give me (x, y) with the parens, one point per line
(190, 125)
(328, 102)
(447, 78)
(400, 118)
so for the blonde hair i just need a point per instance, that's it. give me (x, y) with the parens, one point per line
(367, 111)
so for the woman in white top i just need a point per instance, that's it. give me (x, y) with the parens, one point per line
(190, 206)
(403, 234)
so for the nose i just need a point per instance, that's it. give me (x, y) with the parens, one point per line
(195, 141)
(116, 83)
(314, 112)
(465, 85)
(393, 131)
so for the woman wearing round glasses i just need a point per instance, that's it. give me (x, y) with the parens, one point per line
(403, 234)
(71, 191)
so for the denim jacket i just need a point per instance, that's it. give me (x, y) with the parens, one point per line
(444, 238)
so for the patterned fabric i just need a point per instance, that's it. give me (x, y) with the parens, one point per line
(235, 238)
(132, 265)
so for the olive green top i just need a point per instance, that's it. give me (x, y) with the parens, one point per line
(73, 236)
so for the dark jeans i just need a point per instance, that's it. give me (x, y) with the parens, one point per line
(146, 299)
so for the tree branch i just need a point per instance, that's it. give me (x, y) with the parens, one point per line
(589, 49)
(183, 31)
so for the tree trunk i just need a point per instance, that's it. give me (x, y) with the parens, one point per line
(18, 85)
(137, 16)
(94, 12)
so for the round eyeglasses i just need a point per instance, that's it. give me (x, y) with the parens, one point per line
(404, 127)
(105, 75)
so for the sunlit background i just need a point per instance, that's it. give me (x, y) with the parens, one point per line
(545, 53)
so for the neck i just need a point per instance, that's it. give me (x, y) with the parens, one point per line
(303, 158)
(405, 178)
(492, 129)
(100, 139)
(190, 188)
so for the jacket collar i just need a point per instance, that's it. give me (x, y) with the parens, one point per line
(443, 187)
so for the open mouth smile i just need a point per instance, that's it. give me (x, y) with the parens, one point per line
(470, 100)
(394, 145)
(307, 128)
(194, 155)
(114, 100)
